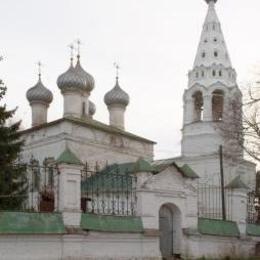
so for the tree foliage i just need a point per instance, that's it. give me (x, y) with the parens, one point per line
(241, 126)
(13, 187)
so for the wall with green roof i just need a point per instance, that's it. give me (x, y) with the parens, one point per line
(31, 223)
(126, 224)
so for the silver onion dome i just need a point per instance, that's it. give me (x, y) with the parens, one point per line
(208, 1)
(91, 108)
(116, 96)
(70, 80)
(88, 79)
(39, 93)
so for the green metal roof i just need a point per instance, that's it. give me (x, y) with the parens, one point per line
(237, 183)
(111, 223)
(217, 227)
(106, 183)
(115, 177)
(68, 157)
(253, 230)
(188, 172)
(142, 166)
(31, 223)
(185, 170)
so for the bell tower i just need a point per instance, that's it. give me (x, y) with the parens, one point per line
(211, 88)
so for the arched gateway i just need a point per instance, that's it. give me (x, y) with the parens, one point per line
(170, 231)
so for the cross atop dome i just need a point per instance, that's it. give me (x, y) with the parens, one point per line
(39, 64)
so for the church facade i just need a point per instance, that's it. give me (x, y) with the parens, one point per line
(112, 200)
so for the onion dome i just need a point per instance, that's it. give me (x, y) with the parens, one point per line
(70, 80)
(208, 1)
(88, 79)
(39, 93)
(91, 108)
(116, 96)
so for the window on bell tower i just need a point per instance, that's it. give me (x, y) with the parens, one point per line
(198, 106)
(217, 105)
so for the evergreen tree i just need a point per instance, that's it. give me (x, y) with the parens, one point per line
(13, 188)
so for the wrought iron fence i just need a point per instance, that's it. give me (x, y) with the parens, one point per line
(32, 189)
(253, 208)
(110, 191)
(210, 202)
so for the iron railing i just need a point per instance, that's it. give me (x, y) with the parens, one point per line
(210, 202)
(36, 191)
(108, 192)
(253, 208)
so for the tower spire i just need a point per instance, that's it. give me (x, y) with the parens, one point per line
(212, 48)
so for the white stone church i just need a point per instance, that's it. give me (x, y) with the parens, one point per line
(164, 209)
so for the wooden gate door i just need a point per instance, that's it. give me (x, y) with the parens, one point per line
(166, 232)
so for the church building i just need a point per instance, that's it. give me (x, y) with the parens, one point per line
(112, 199)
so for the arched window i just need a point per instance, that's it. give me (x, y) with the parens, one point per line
(198, 106)
(214, 73)
(215, 54)
(197, 74)
(202, 74)
(220, 73)
(217, 105)
(203, 55)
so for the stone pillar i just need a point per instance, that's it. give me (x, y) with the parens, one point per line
(188, 111)
(117, 115)
(207, 116)
(239, 208)
(69, 193)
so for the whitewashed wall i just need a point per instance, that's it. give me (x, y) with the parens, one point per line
(208, 168)
(91, 245)
(87, 143)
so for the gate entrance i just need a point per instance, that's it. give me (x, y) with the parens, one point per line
(170, 231)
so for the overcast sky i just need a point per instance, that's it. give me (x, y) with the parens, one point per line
(154, 41)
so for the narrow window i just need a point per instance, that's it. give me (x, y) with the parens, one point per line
(214, 73)
(197, 74)
(217, 105)
(198, 106)
(203, 55)
(202, 74)
(215, 54)
(83, 109)
(215, 39)
(220, 73)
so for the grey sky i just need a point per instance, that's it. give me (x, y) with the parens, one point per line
(154, 42)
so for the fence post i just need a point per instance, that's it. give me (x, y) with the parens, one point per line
(143, 171)
(238, 203)
(69, 188)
